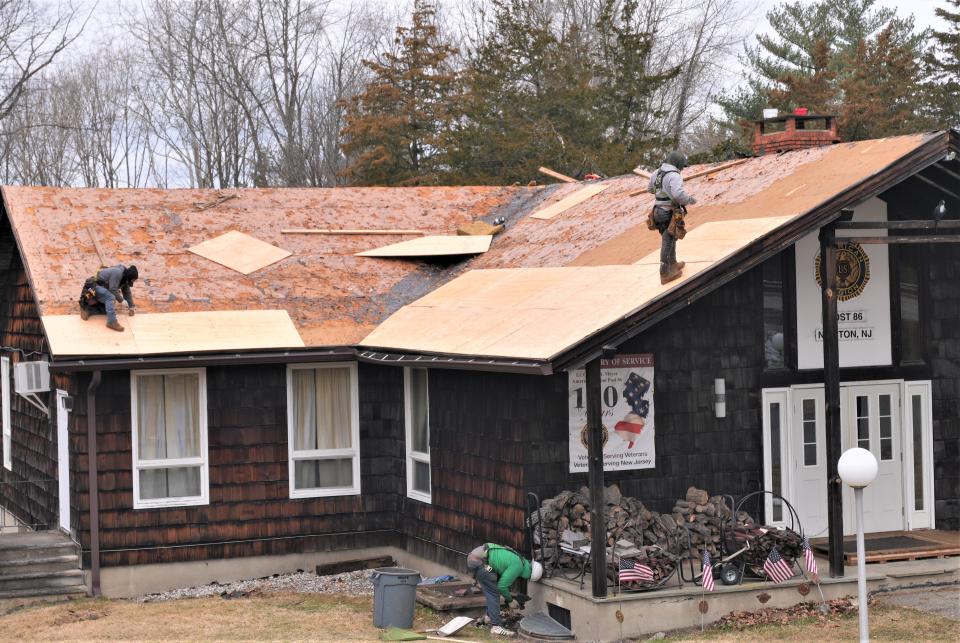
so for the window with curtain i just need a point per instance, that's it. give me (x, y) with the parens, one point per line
(323, 430)
(170, 463)
(417, 403)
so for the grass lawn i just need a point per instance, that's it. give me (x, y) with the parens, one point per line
(331, 617)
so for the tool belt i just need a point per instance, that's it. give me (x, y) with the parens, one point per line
(678, 227)
(88, 296)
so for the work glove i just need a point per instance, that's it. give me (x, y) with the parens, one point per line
(131, 311)
(515, 605)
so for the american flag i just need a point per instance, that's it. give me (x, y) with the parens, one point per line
(778, 570)
(707, 581)
(634, 571)
(808, 558)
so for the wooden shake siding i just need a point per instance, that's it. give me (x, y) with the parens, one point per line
(717, 336)
(250, 512)
(29, 491)
(478, 424)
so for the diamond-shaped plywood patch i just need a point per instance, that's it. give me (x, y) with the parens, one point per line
(240, 252)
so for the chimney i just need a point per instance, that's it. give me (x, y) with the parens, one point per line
(794, 132)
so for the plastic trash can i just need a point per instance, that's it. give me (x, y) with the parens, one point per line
(394, 596)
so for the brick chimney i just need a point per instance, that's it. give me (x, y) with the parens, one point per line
(793, 132)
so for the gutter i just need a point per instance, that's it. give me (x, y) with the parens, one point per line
(340, 353)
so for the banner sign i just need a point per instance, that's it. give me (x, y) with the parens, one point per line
(626, 393)
(863, 297)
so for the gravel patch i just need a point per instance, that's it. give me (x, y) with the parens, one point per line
(356, 583)
(943, 601)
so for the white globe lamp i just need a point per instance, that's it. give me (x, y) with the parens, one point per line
(858, 468)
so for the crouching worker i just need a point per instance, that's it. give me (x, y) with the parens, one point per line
(495, 568)
(105, 289)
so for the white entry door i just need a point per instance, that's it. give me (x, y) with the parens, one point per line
(63, 460)
(871, 420)
(808, 451)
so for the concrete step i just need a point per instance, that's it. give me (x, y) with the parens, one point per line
(33, 545)
(41, 580)
(11, 600)
(49, 564)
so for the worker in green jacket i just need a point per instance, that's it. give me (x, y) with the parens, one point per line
(496, 567)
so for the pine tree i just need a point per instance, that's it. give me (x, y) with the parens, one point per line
(394, 128)
(942, 64)
(812, 56)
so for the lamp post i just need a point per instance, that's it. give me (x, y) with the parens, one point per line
(858, 468)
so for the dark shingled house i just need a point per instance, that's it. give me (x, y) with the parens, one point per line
(329, 406)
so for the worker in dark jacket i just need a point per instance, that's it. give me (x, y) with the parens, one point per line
(102, 291)
(668, 209)
(495, 568)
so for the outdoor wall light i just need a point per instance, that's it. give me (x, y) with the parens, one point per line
(858, 468)
(720, 397)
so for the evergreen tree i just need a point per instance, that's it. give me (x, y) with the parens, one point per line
(811, 59)
(394, 129)
(943, 66)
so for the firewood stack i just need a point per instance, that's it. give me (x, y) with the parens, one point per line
(633, 531)
(763, 539)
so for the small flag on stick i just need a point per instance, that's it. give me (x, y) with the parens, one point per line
(778, 570)
(707, 581)
(634, 572)
(808, 558)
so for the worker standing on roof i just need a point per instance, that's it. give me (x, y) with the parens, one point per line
(669, 208)
(101, 291)
(496, 567)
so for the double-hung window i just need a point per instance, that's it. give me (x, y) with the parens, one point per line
(170, 465)
(323, 420)
(417, 416)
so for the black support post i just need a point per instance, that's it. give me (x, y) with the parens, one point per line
(831, 392)
(598, 522)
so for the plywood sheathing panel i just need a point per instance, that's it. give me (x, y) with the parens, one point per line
(240, 252)
(433, 246)
(532, 313)
(712, 242)
(161, 333)
(564, 204)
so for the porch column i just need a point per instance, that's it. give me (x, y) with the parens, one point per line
(598, 523)
(831, 393)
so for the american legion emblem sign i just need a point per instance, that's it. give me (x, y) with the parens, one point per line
(626, 387)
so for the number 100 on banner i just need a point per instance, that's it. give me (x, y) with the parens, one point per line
(626, 400)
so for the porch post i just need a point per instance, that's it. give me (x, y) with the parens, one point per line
(831, 392)
(598, 522)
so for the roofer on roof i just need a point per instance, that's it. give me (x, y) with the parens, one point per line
(496, 567)
(669, 208)
(109, 285)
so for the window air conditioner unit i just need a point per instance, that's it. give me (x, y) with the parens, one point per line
(31, 377)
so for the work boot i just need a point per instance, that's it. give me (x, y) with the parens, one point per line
(115, 326)
(672, 272)
(84, 313)
(499, 630)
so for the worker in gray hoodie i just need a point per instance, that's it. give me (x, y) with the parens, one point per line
(104, 290)
(669, 206)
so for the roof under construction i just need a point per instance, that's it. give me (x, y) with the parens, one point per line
(591, 262)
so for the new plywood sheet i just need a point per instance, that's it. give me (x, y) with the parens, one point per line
(581, 195)
(714, 241)
(433, 246)
(162, 333)
(240, 252)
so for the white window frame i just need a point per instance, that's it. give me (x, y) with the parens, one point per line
(782, 397)
(7, 427)
(925, 518)
(169, 463)
(415, 456)
(325, 454)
